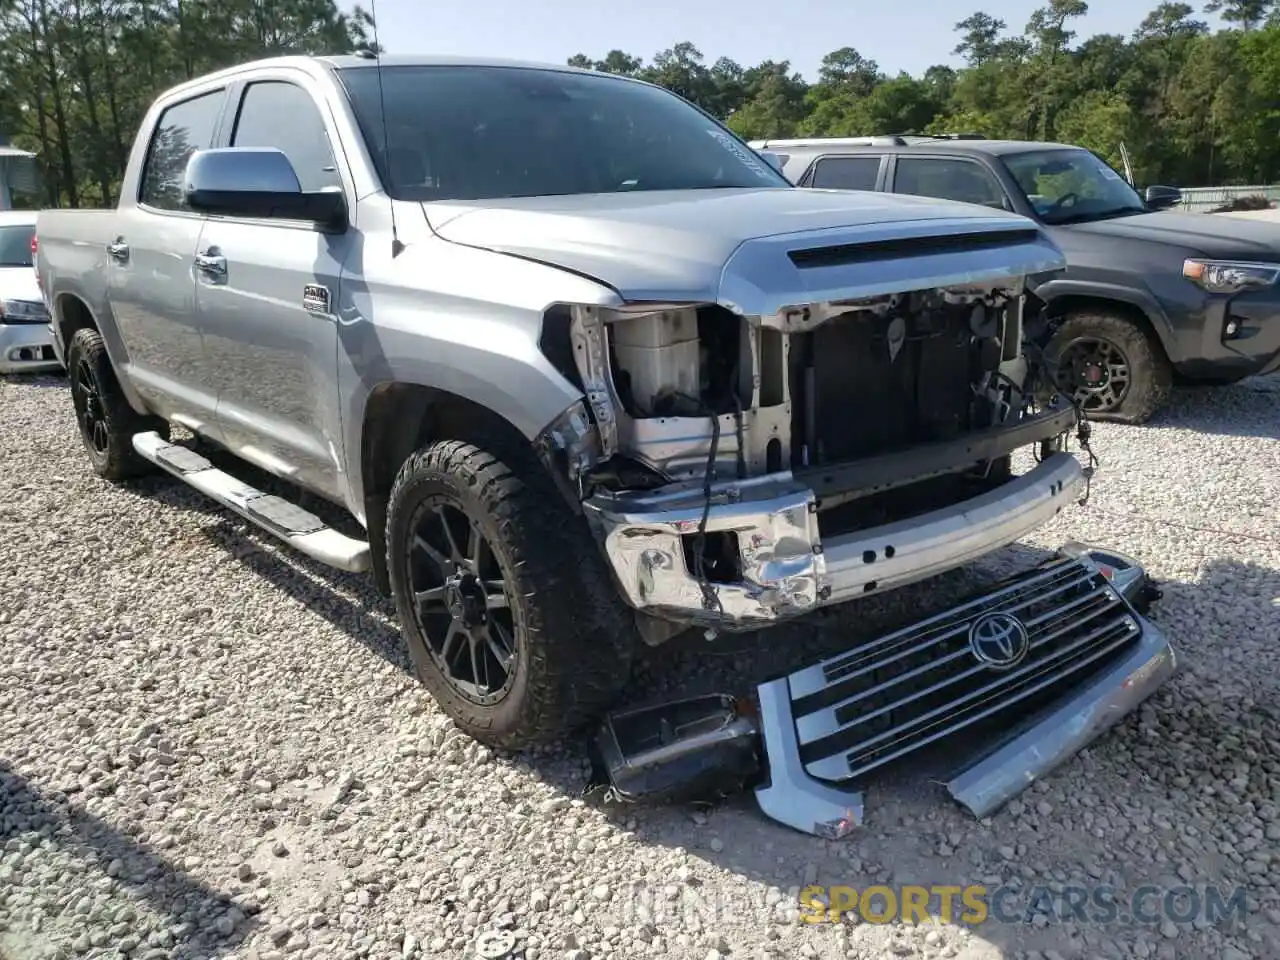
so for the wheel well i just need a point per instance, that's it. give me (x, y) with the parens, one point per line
(73, 314)
(400, 418)
(1062, 307)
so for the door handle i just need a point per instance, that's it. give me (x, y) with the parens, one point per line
(211, 264)
(118, 250)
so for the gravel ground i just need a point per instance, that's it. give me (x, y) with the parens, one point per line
(210, 748)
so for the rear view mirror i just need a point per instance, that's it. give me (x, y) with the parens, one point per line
(1160, 198)
(258, 183)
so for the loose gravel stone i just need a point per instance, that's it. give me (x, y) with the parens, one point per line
(233, 758)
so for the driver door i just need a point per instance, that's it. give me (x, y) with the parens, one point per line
(266, 292)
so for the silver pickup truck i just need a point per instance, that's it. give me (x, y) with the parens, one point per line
(589, 372)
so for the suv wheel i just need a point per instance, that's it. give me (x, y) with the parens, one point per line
(1110, 366)
(504, 602)
(105, 420)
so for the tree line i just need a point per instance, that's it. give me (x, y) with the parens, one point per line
(77, 76)
(1193, 105)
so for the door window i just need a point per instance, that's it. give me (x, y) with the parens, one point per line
(846, 173)
(183, 129)
(948, 179)
(283, 115)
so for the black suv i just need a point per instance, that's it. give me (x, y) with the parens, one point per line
(1148, 294)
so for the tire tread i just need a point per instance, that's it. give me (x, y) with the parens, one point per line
(580, 642)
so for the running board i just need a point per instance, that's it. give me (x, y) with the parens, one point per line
(300, 529)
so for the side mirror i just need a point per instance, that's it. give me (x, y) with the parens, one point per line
(775, 160)
(1161, 198)
(259, 183)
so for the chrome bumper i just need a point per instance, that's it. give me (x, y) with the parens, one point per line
(788, 568)
(27, 348)
(809, 784)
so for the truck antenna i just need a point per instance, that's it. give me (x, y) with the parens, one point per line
(396, 246)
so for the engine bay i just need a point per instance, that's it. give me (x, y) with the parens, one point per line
(681, 393)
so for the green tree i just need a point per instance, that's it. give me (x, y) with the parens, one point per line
(1247, 13)
(980, 38)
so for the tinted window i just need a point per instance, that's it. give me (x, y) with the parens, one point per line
(183, 129)
(1067, 185)
(282, 115)
(15, 246)
(470, 132)
(847, 173)
(947, 179)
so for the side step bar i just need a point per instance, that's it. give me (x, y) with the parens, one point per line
(303, 531)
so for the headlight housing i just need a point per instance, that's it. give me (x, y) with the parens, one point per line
(22, 311)
(1230, 276)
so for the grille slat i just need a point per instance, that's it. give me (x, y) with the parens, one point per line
(863, 764)
(913, 687)
(960, 632)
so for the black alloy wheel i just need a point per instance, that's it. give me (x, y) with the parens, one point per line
(1095, 372)
(90, 415)
(1110, 364)
(462, 603)
(104, 419)
(507, 608)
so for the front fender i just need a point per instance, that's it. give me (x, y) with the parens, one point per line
(518, 385)
(1143, 299)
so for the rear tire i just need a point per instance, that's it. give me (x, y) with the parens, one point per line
(506, 606)
(105, 420)
(1113, 368)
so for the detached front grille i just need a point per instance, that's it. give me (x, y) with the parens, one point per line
(1042, 635)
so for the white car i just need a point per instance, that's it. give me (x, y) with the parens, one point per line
(26, 340)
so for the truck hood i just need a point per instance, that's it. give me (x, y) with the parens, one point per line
(734, 246)
(1207, 234)
(19, 283)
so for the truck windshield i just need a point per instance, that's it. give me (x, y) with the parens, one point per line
(15, 245)
(480, 132)
(1072, 186)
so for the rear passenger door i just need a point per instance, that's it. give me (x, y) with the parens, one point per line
(150, 282)
(860, 172)
(949, 178)
(267, 292)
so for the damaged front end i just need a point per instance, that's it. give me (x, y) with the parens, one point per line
(840, 422)
(1045, 663)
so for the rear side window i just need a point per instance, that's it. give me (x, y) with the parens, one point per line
(948, 179)
(283, 115)
(183, 129)
(15, 245)
(846, 173)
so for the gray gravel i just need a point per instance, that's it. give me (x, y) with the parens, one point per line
(211, 748)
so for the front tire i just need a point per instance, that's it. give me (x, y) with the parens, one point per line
(505, 605)
(1113, 368)
(106, 422)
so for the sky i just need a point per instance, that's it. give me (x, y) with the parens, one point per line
(909, 35)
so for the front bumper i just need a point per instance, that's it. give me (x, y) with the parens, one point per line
(1240, 337)
(27, 348)
(788, 568)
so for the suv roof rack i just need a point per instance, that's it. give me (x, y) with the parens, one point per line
(877, 140)
(906, 138)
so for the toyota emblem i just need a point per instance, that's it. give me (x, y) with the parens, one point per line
(999, 640)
